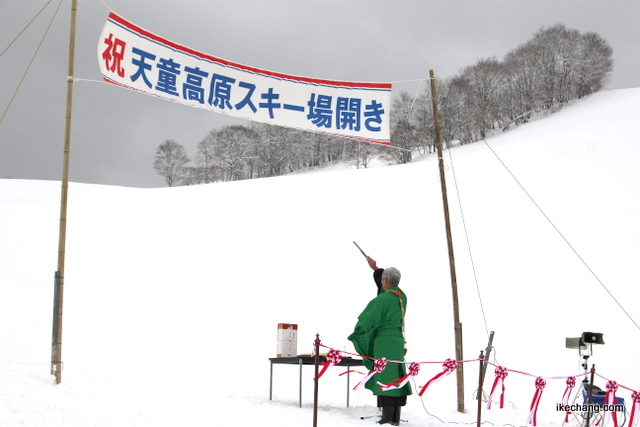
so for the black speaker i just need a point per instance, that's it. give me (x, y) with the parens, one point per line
(592, 338)
(575, 343)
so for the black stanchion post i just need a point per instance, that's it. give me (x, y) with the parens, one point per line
(315, 385)
(487, 355)
(480, 381)
(593, 373)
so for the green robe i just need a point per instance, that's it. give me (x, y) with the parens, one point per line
(378, 334)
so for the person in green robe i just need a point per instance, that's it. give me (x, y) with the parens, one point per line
(379, 333)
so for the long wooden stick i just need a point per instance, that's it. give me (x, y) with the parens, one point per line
(359, 248)
(452, 264)
(57, 350)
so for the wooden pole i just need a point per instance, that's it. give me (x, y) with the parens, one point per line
(452, 265)
(315, 385)
(480, 381)
(57, 346)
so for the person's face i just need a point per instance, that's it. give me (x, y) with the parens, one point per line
(385, 283)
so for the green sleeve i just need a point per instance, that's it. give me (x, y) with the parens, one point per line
(368, 323)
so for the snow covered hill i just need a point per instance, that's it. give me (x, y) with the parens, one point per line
(173, 296)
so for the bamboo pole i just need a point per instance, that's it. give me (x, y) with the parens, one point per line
(452, 265)
(57, 346)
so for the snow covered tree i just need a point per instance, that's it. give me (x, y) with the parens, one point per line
(595, 64)
(169, 161)
(206, 159)
(231, 148)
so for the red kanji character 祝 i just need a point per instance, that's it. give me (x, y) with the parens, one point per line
(114, 54)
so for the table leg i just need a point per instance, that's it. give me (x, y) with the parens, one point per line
(348, 369)
(300, 386)
(271, 381)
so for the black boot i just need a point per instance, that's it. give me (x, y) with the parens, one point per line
(395, 421)
(387, 415)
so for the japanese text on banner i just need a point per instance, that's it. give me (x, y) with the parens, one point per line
(137, 59)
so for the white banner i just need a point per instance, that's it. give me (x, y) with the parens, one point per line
(137, 59)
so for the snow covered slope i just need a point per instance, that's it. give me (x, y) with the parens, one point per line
(173, 296)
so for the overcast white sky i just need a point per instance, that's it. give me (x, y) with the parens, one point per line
(115, 131)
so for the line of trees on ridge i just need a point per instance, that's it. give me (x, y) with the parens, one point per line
(556, 66)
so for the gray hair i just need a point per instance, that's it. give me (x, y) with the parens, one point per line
(392, 275)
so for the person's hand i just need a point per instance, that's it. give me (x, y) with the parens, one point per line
(372, 263)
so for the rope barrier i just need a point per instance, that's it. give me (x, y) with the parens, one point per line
(619, 385)
(458, 361)
(500, 371)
